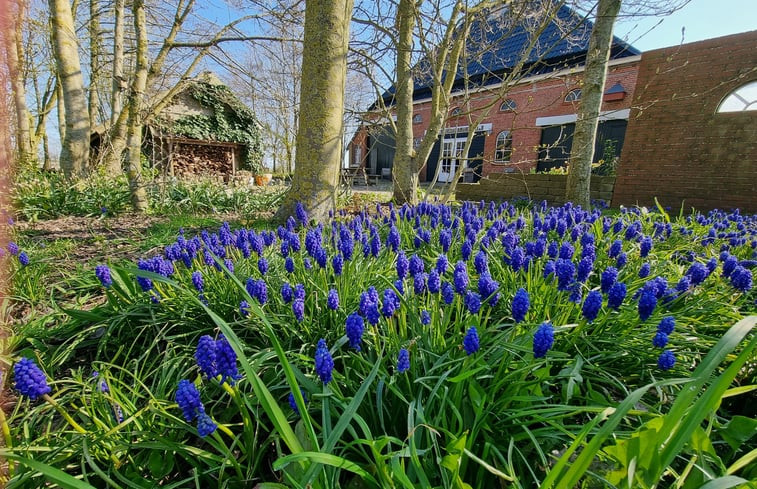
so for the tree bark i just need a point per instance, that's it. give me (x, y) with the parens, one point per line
(94, 61)
(119, 83)
(74, 156)
(15, 55)
(404, 168)
(577, 189)
(134, 138)
(319, 135)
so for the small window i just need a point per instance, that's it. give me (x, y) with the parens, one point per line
(740, 100)
(456, 112)
(417, 142)
(504, 148)
(508, 105)
(573, 95)
(417, 119)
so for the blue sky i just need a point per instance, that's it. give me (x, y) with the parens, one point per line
(701, 19)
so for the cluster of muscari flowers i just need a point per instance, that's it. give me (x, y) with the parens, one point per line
(214, 357)
(192, 408)
(30, 379)
(564, 244)
(217, 357)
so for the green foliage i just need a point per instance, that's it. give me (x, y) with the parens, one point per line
(594, 412)
(41, 195)
(231, 121)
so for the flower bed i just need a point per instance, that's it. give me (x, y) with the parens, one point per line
(427, 346)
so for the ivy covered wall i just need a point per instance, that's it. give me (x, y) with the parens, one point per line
(224, 119)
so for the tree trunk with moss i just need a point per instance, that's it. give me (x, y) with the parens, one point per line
(404, 168)
(134, 138)
(15, 55)
(74, 156)
(319, 135)
(577, 189)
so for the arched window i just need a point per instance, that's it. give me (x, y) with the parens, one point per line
(417, 119)
(508, 105)
(740, 100)
(456, 112)
(504, 147)
(574, 95)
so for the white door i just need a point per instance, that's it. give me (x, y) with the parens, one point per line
(452, 156)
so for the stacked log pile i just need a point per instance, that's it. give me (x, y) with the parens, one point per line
(193, 159)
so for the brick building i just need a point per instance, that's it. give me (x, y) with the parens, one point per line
(521, 125)
(692, 134)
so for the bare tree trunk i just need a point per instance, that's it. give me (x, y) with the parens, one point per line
(577, 189)
(61, 111)
(119, 83)
(94, 61)
(134, 138)
(405, 171)
(15, 55)
(319, 135)
(74, 157)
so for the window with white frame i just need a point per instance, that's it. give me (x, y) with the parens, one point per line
(742, 99)
(417, 119)
(504, 147)
(456, 112)
(574, 95)
(508, 105)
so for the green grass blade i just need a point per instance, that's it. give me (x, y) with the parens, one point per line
(726, 482)
(699, 411)
(326, 459)
(50, 473)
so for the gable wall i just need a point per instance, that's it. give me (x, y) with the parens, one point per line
(677, 147)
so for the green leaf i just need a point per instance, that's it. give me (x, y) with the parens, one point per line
(325, 459)
(738, 430)
(725, 482)
(50, 473)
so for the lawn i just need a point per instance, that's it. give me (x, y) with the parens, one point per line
(472, 345)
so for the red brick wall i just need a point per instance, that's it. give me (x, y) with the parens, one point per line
(677, 148)
(542, 98)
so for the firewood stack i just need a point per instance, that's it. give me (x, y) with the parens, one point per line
(194, 160)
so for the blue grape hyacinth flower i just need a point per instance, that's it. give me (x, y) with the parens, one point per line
(293, 403)
(30, 380)
(425, 318)
(470, 341)
(226, 361)
(667, 325)
(354, 328)
(666, 360)
(544, 338)
(616, 295)
(660, 339)
(23, 259)
(647, 304)
(188, 399)
(520, 305)
(102, 272)
(332, 301)
(205, 425)
(197, 281)
(205, 356)
(403, 361)
(592, 305)
(324, 364)
(244, 308)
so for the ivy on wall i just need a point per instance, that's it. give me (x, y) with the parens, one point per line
(231, 121)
